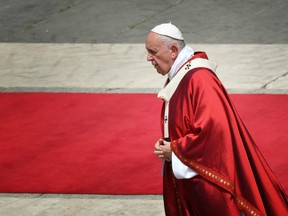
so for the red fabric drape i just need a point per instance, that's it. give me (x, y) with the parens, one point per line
(208, 136)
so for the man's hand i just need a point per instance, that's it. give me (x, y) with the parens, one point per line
(163, 150)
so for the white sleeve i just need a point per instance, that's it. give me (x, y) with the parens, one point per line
(180, 170)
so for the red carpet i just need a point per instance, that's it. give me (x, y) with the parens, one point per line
(103, 143)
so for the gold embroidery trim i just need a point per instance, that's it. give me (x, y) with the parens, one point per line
(244, 205)
(207, 173)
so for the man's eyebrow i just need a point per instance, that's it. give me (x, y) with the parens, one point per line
(152, 49)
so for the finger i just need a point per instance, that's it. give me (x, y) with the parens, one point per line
(158, 152)
(159, 155)
(163, 148)
(157, 144)
(157, 148)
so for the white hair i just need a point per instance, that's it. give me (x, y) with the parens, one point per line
(168, 41)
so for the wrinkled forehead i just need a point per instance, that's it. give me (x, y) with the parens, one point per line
(153, 40)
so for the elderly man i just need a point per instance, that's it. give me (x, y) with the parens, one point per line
(211, 164)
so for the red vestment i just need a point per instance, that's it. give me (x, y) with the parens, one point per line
(208, 136)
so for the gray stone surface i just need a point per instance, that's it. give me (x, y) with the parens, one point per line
(79, 205)
(112, 21)
(123, 67)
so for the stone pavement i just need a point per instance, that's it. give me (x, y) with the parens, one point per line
(127, 21)
(98, 46)
(79, 205)
(123, 67)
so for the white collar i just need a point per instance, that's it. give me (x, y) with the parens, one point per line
(168, 90)
(182, 57)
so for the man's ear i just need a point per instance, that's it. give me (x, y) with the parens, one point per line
(175, 52)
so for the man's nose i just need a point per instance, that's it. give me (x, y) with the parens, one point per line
(149, 57)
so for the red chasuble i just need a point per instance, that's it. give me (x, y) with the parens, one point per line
(208, 136)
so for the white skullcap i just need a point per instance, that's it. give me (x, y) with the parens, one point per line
(169, 30)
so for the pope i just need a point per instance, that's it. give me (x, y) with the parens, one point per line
(212, 165)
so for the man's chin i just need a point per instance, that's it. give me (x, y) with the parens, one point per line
(161, 72)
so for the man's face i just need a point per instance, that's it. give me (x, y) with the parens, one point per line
(159, 55)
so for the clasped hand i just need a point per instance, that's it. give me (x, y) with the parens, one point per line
(163, 150)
